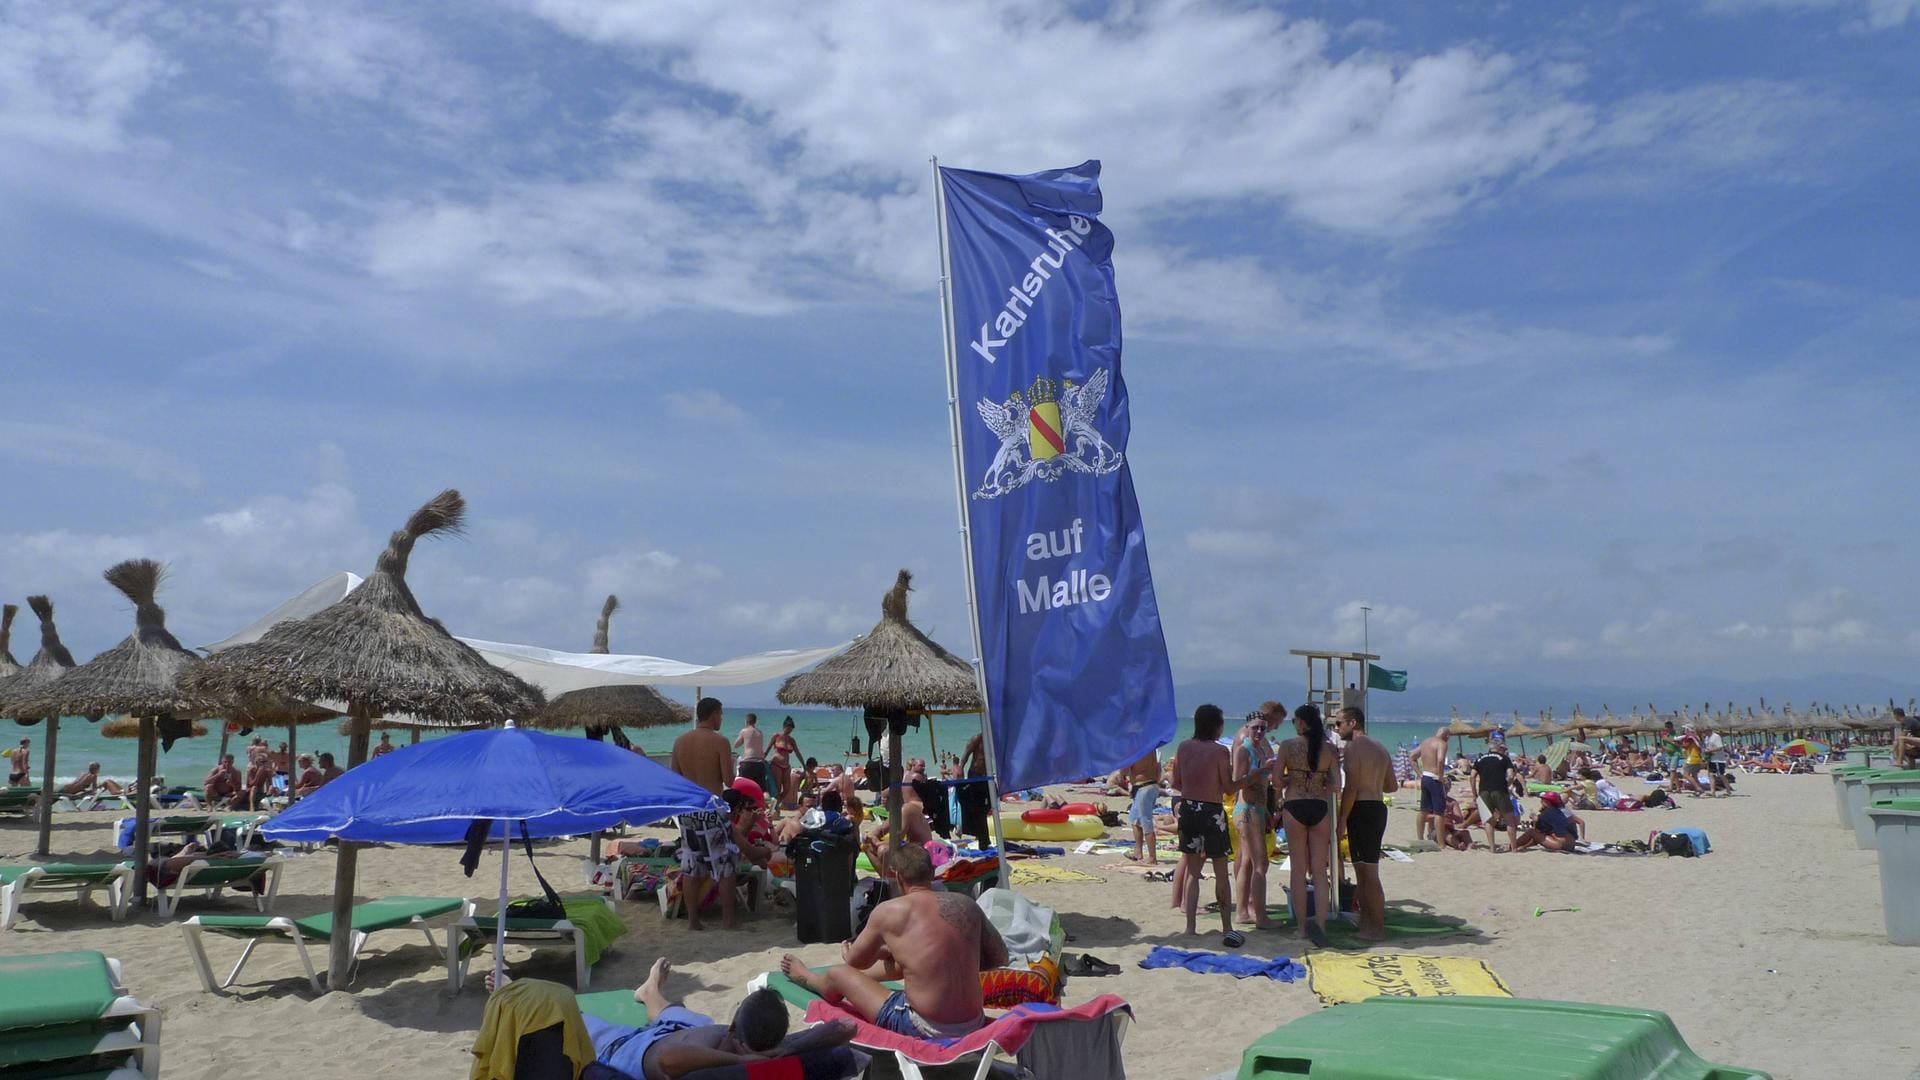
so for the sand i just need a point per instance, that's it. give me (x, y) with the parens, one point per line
(1769, 953)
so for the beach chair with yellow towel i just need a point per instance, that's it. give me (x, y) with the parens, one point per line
(388, 913)
(81, 878)
(68, 1014)
(591, 924)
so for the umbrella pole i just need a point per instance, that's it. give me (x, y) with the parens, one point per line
(226, 732)
(293, 756)
(416, 738)
(340, 945)
(46, 788)
(500, 918)
(142, 809)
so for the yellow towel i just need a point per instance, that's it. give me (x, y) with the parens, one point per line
(1025, 874)
(1344, 979)
(519, 1008)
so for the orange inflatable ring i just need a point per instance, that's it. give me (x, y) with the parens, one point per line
(1081, 808)
(1045, 817)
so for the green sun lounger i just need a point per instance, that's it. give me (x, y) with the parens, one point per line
(20, 799)
(389, 913)
(81, 878)
(592, 924)
(68, 1014)
(217, 875)
(613, 1006)
(1388, 1038)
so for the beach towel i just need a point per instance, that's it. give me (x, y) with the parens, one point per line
(1009, 1033)
(1342, 980)
(520, 1008)
(1028, 874)
(1279, 969)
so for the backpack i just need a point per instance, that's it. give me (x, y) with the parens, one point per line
(1656, 797)
(1667, 843)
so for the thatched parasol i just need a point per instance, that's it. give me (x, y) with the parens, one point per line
(895, 667)
(604, 710)
(51, 662)
(608, 710)
(140, 678)
(126, 727)
(9, 667)
(378, 652)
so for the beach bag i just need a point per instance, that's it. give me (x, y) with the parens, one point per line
(868, 894)
(1676, 843)
(1656, 797)
(546, 906)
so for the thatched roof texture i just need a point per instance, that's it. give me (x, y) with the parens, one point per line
(598, 707)
(893, 667)
(126, 727)
(50, 663)
(376, 649)
(9, 667)
(141, 676)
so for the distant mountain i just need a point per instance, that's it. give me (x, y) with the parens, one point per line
(1240, 696)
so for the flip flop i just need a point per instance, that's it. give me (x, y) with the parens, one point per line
(1234, 939)
(1088, 965)
(1318, 935)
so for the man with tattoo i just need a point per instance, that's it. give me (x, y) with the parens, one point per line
(934, 942)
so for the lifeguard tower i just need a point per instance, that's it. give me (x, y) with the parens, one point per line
(1336, 679)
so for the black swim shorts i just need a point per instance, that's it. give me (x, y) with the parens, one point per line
(1366, 827)
(1203, 828)
(1433, 795)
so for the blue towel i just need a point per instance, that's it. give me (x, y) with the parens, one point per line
(1279, 968)
(1699, 838)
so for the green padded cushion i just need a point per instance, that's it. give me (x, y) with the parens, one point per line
(54, 988)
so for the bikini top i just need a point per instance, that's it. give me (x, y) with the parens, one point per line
(1312, 783)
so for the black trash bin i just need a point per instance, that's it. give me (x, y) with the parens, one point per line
(823, 873)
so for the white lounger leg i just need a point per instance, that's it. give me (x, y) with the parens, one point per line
(9, 903)
(120, 894)
(580, 971)
(190, 930)
(306, 961)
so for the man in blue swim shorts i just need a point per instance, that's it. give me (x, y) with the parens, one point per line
(1144, 775)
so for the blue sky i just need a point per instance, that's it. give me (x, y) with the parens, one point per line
(1576, 340)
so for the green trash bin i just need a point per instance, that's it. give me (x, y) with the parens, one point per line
(1387, 1038)
(1879, 787)
(1896, 832)
(1840, 790)
(1852, 799)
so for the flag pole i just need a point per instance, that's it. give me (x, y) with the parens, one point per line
(966, 520)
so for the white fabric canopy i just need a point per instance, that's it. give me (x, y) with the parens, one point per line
(558, 672)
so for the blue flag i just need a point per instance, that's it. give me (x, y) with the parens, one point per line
(1076, 666)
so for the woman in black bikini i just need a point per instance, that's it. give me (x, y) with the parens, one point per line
(1307, 768)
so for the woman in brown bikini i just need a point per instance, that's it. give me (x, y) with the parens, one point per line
(1307, 769)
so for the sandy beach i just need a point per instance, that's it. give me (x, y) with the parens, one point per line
(1768, 953)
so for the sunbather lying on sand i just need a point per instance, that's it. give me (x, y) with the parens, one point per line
(676, 1040)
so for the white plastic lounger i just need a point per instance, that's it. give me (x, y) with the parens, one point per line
(80, 878)
(520, 931)
(69, 1013)
(216, 876)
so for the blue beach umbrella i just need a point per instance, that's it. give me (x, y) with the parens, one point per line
(548, 785)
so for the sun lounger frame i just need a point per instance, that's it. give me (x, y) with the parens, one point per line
(280, 925)
(562, 932)
(167, 897)
(140, 1036)
(118, 882)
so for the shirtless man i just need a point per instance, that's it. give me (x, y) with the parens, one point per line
(752, 744)
(1363, 817)
(914, 828)
(385, 745)
(676, 1040)
(328, 770)
(223, 782)
(1432, 756)
(707, 851)
(1143, 776)
(309, 779)
(937, 943)
(20, 763)
(1203, 772)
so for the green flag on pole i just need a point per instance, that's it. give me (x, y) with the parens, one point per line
(1379, 678)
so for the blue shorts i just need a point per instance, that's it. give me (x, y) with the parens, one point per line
(898, 1017)
(1433, 795)
(624, 1047)
(1144, 798)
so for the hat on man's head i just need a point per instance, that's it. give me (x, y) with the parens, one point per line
(1551, 798)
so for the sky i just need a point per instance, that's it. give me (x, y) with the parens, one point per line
(1576, 341)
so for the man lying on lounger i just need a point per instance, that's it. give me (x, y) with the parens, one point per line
(935, 942)
(676, 1040)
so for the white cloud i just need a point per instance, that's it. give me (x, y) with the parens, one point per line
(706, 407)
(327, 49)
(1866, 15)
(69, 79)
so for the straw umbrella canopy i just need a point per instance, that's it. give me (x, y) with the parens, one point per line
(378, 652)
(896, 668)
(126, 727)
(9, 667)
(604, 710)
(52, 661)
(1463, 729)
(139, 678)
(608, 710)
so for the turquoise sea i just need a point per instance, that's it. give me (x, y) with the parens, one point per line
(824, 734)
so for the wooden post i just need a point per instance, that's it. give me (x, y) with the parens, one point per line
(46, 788)
(143, 810)
(895, 771)
(340, 945)
(226, 732)
(416, 737)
